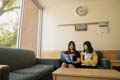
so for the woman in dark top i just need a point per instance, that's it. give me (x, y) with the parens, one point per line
(74, 56)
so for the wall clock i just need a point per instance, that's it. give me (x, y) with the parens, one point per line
(81, 10)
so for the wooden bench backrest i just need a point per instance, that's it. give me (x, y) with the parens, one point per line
(55, 54)
(110, 54)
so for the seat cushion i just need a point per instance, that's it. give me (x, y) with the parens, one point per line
(100, 56)
(39, 70)
(18, 76)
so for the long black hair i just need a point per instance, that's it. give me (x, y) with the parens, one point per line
(71, 42)
(89, 47)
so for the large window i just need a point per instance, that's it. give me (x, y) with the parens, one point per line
(10, 11)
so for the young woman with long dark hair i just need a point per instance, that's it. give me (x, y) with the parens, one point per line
(72, 52)
(89, 57)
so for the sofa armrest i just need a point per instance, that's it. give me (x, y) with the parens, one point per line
(4, 72)
(105, 64)
(55, 62)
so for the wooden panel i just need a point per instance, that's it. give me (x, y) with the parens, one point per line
(51, 54)
(110, 54)
(78, 78)
(107, 54)
(115, 63)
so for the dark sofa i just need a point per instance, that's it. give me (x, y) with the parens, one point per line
(102, 63)
(21, 64)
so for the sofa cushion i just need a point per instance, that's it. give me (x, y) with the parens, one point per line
(39, 70)
(100, 56)
(17, 58)
(17, 76)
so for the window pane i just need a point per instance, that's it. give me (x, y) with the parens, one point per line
(9, 23)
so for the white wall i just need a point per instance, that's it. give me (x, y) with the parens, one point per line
(56, 37)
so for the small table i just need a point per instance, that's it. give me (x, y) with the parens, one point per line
(85, 74)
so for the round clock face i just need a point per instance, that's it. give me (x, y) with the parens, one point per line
(81, 10)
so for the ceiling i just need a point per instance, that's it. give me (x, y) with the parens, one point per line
(51, 3)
